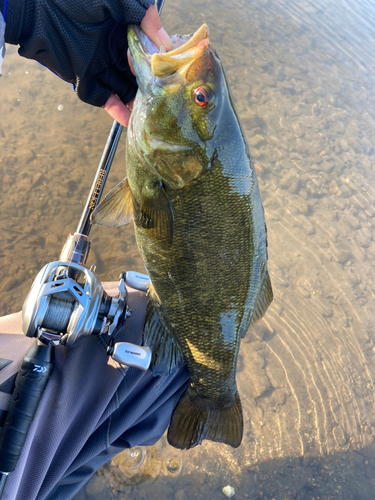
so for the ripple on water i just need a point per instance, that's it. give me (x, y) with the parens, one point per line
(133, 466)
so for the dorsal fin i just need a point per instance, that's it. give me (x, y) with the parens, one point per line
(264, 300)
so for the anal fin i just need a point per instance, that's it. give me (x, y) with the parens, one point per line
(166, 355)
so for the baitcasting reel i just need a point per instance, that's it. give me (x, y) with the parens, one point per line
(67, 302)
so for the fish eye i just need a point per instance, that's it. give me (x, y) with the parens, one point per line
(201, 97)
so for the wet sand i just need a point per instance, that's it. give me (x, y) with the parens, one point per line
(51, 145)
(302, 76)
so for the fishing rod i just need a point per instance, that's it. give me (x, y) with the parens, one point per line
(67, 302)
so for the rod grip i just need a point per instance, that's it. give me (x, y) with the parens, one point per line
(31, 381)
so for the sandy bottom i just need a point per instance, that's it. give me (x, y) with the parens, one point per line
(303, 88)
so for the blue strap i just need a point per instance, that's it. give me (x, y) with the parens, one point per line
(5, 9)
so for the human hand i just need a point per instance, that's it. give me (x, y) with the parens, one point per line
(152, 26)
(85, 43)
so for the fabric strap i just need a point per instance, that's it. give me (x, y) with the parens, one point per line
(91, 410)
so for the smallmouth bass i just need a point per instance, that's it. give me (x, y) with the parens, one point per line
(192, 192)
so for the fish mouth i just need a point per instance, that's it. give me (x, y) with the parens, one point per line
(185, 51)
(155, 69)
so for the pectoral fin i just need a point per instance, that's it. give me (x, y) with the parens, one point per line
(166, 355)
(155, 213)
(117, 207)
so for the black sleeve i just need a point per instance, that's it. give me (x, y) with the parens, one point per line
(82, 41)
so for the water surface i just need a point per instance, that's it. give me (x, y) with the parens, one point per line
(302, 75)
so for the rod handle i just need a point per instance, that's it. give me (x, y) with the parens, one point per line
(31, 381)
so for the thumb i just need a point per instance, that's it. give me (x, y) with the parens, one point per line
(153, 28)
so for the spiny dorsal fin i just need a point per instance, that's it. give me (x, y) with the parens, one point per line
(166, 355)
(155, 213)
(117, 207)
(264, 300)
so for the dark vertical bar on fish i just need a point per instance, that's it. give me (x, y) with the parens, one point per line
(84, 225)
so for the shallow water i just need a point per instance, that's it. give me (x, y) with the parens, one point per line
(302, 74)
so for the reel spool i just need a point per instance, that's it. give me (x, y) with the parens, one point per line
(67, 302)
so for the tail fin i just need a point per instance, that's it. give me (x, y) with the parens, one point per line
(193, 420)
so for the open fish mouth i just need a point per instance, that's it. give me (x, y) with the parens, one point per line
(159, 73)
(185, 50)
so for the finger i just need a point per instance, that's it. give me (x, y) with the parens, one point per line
(118, 110)
(153, 28)
(130, 104)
